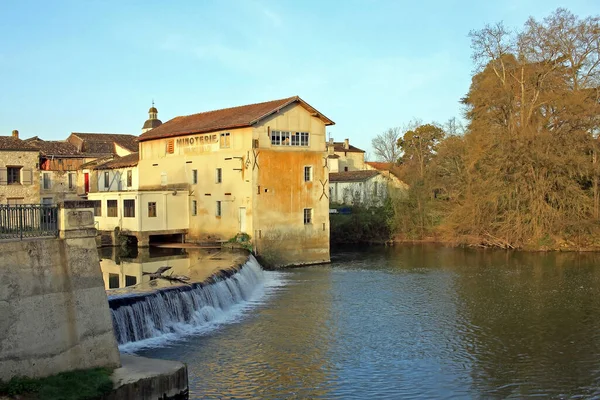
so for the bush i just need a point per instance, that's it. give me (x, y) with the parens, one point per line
(362, 225)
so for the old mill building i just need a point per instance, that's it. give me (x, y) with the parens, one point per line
(258, 169)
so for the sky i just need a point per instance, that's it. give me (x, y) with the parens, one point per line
(96, 65)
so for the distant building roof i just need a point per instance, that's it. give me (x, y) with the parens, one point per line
(10, 143)
(352, 176)
(54, 147)
(394, 169)
(130, 160)
(104, 143)
(339, 147)
(94, 163)
(226, 118)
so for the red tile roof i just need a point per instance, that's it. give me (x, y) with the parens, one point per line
(130, 160)
(394, 169)
(9, 143)
(339, 147)
(352, 176)
(104, 143)
(54, 147)
(226, 118)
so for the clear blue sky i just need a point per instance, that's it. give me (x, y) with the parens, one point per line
(95, 66)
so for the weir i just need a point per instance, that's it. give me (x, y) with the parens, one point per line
(174, 310)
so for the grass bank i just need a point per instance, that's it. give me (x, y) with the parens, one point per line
(73, 385)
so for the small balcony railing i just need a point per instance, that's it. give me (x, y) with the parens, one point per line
(28, 220)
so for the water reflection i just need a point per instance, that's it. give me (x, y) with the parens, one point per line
(413, 322)
(126, 269)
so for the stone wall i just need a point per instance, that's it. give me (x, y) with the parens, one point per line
(29, 188)
(59, 189)
(54, 313)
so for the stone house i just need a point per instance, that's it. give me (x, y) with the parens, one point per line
(258, 169)
(19, 166)
(99, 147)
(58, 164)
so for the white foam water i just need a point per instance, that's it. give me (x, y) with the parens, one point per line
(164, 316)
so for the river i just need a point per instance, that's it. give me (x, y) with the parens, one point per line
(410, 322)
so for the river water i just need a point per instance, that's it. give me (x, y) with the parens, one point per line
(420, 322)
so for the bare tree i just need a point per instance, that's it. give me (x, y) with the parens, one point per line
(453, 127)
(385, 146)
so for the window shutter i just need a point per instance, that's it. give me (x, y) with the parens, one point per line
(3, 176)
(27, 177)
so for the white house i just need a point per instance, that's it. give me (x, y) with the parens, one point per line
(366, 188)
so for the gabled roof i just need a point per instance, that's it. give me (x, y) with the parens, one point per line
(352, 176)
(9, 143)
(54, 147)
(104, 143)
(226, 118)
(339, 147)
(130, 160)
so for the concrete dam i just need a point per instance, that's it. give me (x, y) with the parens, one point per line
(152, 316)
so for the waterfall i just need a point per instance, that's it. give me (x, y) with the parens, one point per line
(138, 317)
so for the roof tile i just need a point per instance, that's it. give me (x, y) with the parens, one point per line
(226, 118)
(352, 176)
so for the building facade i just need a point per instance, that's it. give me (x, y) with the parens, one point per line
(258, 169)
(121, 206)
(19, 169)
(58, 164)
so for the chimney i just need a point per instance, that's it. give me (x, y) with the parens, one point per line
(346, 144)
(15, 134)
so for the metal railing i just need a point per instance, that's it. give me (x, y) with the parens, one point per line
(28, 220)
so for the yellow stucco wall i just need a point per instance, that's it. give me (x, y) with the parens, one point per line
(171, 211)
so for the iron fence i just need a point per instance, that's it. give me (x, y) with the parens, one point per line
(28, 220)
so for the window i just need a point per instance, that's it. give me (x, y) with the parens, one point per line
(106, 180)
(308, 174)
(163, 179)
(218, 210)
(129, 178)
(374, 188)
(151, 209)
(130, 280)
(307, 216)
(113, 281)
(14, 201)
(170, 146)
(194, 207)
(97, 208)
(111, 208)
(47, 201)
(346, 169)
(71, 178)
(46, 180)
(194, 176)
(129, 208)
(284, 138)
(225, 141)
(219, 175)
(13, 175)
